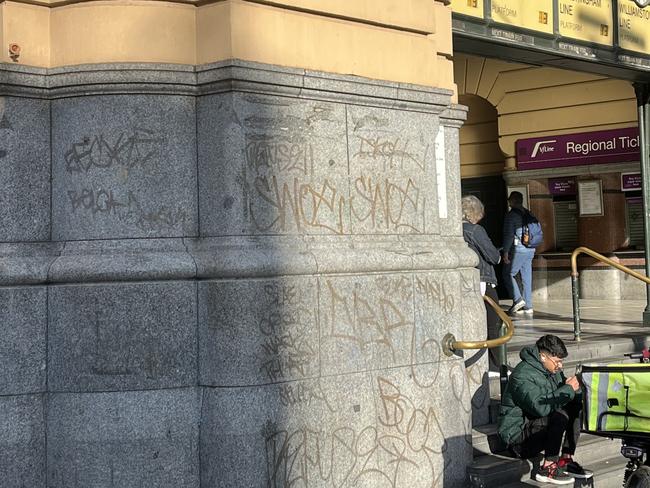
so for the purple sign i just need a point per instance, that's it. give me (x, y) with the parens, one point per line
(604, 146)
(631, 181)
(562, 186)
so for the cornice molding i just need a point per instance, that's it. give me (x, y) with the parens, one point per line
(221, 77)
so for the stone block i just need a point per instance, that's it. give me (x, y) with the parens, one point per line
(258, 77)
(258, 331)
(272, 165)
(251, 257)
(600, 283)
(386, 320)
(124, 166)
(557, 283)
(448, 182)
(392, 171)
(362, 430)
(126, 439)
(24, 169)
(543, 279)
(27, 262)
(631, 288)
(22, 441)
(122, 336)
(23, 323)
(367, 254)
(126, 259)
(474, 328)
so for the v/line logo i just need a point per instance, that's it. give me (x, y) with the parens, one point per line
(539, 147)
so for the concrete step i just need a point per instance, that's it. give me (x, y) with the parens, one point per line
(594, 349)
(493, 471)
(591, 448)
(494, 467)
(491, 468)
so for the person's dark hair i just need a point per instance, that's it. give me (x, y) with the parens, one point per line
(552, 345)
(516, 198)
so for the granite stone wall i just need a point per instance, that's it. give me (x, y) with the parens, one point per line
(234, 275)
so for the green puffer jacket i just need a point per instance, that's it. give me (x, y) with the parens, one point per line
(532, 392)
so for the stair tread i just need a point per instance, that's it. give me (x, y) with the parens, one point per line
(586, 350)
(590, 448)
(484, 430)
(610, 468)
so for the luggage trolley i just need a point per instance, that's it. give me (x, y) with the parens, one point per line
(616, 404)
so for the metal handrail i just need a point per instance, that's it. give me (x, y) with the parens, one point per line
(450, 344)
(575, 289)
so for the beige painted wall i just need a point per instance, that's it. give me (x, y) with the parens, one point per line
(291, 38)
(533, 101)
(480, 153)
(383, 39)
(113, 32)
(28, 26)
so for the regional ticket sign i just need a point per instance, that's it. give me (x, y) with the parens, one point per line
(633, 27)
(605, 146)
(527, 14)
(473, 8)
(586, 20)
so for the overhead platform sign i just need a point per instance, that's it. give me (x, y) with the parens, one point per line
(472, 8)
(526, 14)
(611, 31)
(633, 27)
(586, 20)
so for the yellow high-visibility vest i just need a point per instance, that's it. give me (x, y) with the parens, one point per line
(616, 398)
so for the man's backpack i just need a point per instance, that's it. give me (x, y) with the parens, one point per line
(531, 231)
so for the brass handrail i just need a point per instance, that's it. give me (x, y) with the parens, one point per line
(450, 344)
(574, 281)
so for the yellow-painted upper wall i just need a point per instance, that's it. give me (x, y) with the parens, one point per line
(297, 39)
(29, 27)
(86, 32)
(413, 15)
(535, 101)
(213, 33)
(382, 39)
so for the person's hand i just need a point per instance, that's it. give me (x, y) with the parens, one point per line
(506, 259)
(573, 383)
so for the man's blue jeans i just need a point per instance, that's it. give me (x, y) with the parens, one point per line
(521, 261)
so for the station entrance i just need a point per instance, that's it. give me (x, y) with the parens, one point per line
(554, 113)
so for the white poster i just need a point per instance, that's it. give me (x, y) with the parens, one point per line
(590, 197)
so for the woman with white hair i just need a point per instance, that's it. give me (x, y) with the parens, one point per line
(488, 255)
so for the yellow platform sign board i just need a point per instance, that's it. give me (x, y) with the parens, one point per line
(633, 27)
(535, 15)
(473, 8)
(587, 20)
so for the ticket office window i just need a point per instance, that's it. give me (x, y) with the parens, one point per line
(634, 220)
(566, 223)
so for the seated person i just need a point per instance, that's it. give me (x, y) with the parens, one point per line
(540, 411)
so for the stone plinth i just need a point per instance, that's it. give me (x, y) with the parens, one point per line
(243, 279)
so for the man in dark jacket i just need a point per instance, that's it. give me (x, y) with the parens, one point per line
(518, 259)
(540, 407)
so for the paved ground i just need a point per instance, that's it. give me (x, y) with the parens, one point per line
(602, 321)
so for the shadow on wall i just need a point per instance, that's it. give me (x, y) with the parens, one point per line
(317, 372)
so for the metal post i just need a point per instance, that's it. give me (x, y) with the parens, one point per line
(643, 109)
(502, 357)
(503, 379)
(575, 289)
(500, 351)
